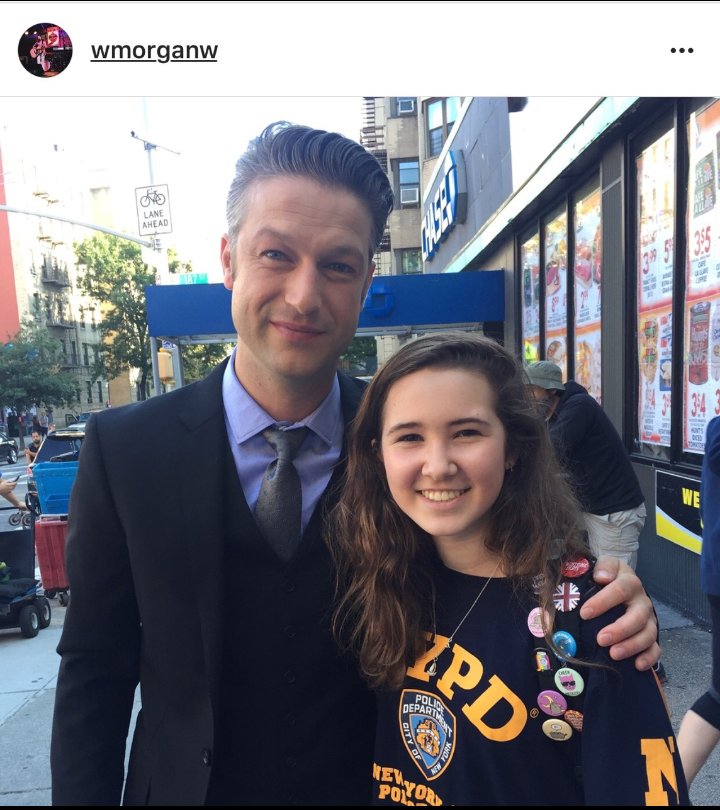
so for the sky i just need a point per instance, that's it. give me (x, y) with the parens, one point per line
(195, 154)
(311, 62)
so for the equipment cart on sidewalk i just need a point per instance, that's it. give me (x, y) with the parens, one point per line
(23, 603)
(50, 480)
(54, 482)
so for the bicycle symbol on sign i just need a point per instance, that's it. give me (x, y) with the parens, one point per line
(152, 196)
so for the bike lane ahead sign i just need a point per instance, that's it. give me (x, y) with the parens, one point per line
(153, 210)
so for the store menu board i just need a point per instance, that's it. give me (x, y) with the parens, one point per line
(556, 291)
(655, 169)
(701, 384)
(530, 263)
(587, 272)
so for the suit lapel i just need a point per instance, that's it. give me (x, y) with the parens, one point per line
(204, 439)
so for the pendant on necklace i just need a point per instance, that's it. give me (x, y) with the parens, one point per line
(432, 668)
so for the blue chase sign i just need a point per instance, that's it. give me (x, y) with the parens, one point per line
(447, 207)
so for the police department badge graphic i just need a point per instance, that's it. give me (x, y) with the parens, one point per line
(428, 731)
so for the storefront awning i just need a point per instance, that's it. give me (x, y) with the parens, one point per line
(200, 313)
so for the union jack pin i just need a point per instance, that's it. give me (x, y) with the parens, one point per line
(566, 596)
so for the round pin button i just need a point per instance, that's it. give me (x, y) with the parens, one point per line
(575, 719)
(537, 620)
(552, 702)
(576, 567)
(566, 597)
(565, 642)
(569, 681)
(557, 730)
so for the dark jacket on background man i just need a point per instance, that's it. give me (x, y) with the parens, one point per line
(594, 455)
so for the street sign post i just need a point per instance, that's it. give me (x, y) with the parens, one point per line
(153, 210)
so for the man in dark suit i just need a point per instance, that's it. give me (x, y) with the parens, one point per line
(245, 699)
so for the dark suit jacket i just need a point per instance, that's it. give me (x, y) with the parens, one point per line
(144, 562)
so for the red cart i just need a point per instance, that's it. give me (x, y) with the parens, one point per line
(50, 534)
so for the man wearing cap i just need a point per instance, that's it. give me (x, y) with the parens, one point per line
(600, 470)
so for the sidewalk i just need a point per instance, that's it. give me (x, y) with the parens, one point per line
(28, 670)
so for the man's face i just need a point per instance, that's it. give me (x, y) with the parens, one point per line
(543, 399)
(36, 437)
(298, 273)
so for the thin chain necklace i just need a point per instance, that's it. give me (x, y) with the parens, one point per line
(431, 669)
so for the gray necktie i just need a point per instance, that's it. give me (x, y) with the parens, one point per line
(278, 509)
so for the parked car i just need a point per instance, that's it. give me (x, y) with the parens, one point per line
(8, 448)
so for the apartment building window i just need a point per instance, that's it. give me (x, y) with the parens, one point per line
(440, 115)
(89, 391)
(86, 356)
(73, 350)
(410, 261)
(99, 391)
(409, 183)
(405, 105)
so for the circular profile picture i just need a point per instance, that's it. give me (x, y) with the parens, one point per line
(45, 50)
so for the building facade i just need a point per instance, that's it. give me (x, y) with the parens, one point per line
(37, 262)
(407, 135)
(612, 270)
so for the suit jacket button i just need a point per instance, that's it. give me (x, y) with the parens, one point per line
(207, 757)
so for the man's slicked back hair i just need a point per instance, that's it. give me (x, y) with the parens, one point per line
(285, 150)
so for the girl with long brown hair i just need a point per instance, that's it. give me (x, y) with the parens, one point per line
(462, 566)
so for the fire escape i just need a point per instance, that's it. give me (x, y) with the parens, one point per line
(372, 137)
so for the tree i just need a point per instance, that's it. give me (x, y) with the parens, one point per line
(115, 274)
(360, 357)
(30, 371)
(198, 360)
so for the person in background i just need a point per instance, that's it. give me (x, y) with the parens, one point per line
(32, 449)
(246, 699)
(6, 491)
(700, 727)
(590, 448)
(592, 452)
(463, 609)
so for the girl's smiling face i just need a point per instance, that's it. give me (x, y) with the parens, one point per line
(443, 449)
